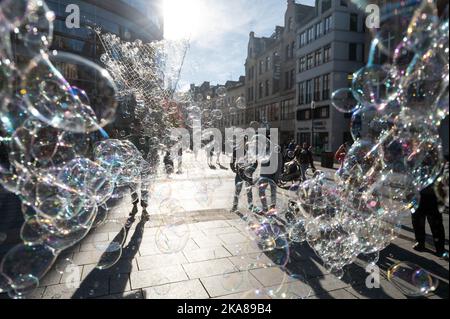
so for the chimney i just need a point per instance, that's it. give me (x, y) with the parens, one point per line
(252, 35)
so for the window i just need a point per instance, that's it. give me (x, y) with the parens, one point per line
(267, 63)
(354, 22)
(309, 61)
(301, 93)
(344, 3)
(288, 50)
(261, 88)
(267, 88)
(317, 89)
(304, 115)
(352, 52)
(318, 57)
(261, 65)
(327, 22)
(310, 34)
(292, 49)
(326, 87)
(302, 64)
(322, 112)
(327, 53)
(308, 92)
(318, 30)
(303, 39)
(290, 24)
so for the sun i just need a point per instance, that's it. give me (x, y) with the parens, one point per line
(183, 18)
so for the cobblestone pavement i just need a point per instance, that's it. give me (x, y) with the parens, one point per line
(215, 256)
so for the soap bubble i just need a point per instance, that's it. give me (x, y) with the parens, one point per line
(25, 265)
(109, 252)
(344, 101)
(411, 279)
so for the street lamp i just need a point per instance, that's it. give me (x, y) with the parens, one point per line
(313, 107)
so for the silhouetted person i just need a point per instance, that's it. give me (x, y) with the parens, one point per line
(244, 176)
(304, 157)
(429, 209)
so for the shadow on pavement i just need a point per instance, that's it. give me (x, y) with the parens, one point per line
(118, 275)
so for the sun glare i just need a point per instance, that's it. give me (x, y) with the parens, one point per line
(183, 18)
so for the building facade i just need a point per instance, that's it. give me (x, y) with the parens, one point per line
(270, 74)
(331, 47)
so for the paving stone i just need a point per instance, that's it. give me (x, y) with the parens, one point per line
(36, 293)
(245, 248)
(151, 248)
(209, 268)
(221, 231)
(160, 261)
(62, 291)
(213, 224)
(327, 283)
(251, 261)
(246, 295)
(230, 283)
(53, 277)
(88, 257)
(336, 294)
(235, 238)
(159, 276)
(96, 237)
(386, 291)
(271, 276)
(192, 289)
(206, 254)
(136, 294)
(204, 241)
(292, 290)
(119, 283)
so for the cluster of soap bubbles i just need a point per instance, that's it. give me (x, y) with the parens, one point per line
(55, 111)
(397, 109)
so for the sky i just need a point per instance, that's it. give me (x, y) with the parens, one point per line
(218, 33)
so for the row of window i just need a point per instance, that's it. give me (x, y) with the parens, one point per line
(317, 89)
(323, 55)
(319, 29)
(319, 113)
(323, 27)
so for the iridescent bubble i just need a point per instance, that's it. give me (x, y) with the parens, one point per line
(25, 265)
(411, 279)
(374, 84)
(36, 31)
(51, 98)
(441, 186)
(344, 101)
(109, 252)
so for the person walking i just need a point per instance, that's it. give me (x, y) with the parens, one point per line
(429, 210)
(270, 171)
(304, 157)
(244, 169)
